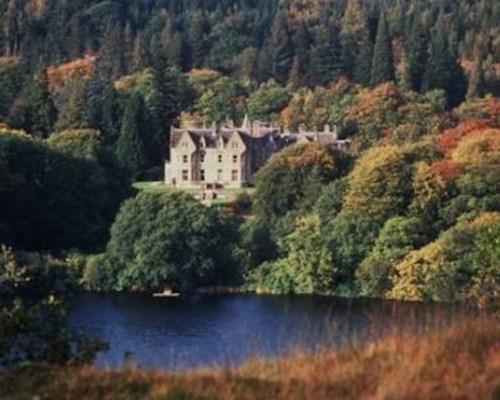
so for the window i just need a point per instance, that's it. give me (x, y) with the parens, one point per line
(220, 176)
(202, 175)
(235, 159)
(234, 175)
(184, 145)
(234, 145)
(184, 159)
(220, 158)
(185, 174)
(202, 158)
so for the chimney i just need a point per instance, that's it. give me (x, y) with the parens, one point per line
(255, 131)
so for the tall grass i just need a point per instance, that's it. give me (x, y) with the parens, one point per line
(461, 361)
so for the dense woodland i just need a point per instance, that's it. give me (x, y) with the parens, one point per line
(89, 89)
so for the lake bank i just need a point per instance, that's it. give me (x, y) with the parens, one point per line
(461, 361)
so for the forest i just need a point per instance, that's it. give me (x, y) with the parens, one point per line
(89, 90)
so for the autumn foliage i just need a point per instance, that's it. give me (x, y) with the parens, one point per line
(79, 68)
(449, 139)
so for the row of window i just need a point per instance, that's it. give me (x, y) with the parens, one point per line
(185, 145)
(220, 175)
(185, 158)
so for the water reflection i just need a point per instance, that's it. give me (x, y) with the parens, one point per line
(178, 333)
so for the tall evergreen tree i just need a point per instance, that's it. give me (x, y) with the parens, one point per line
(326, 57)
(281, 49)
(42, 108)
(443, 70)
(383, 59)
(130, 146)
(416, 56)
(363, 67)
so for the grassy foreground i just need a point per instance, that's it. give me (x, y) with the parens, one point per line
(461, 362)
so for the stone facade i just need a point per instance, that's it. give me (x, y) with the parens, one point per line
(229, 157)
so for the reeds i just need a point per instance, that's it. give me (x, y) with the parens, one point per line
(461, 361)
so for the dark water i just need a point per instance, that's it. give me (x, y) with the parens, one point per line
(178, 333)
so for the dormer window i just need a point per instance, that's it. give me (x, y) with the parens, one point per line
(234, 145)
(184, 145)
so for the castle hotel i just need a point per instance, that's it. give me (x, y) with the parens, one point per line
(229, 157)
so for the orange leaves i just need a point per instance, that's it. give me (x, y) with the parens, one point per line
(385, 95)
(449, 140)
(448, 170)
(309, 154)
(80, 68)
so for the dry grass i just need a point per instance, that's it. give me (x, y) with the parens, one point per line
(461, 362)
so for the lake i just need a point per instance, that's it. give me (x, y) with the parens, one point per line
(205, 330)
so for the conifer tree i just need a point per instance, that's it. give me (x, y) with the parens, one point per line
(130, 148)
(326, 61)
(363, 67)
(383, 60)
(416, 56)
(476, 80)
(42, 108)
(443, 70)
(281, 49)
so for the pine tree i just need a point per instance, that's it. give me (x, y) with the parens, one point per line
(197, 42)
(443, 70)
(281, 49)
(302, 43)
(326, 58)
(476, 80)
(416, 56)
(42, 108)
(294, 78)
(383, 60)
(129, 150)
(363, 68)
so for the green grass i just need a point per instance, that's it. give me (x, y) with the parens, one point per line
(226, 196)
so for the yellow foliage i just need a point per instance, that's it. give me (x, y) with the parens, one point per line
(5, 130)
(484, 220)
(414, 270)
(478, 147)
(379, 183)
(129, 82)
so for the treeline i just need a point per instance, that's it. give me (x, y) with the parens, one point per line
(130, 70)
(412, 217)
(296, 41)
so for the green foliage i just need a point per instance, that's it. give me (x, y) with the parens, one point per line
(383, 59)
(397, 238)
(268, 101)
(79, 143)
(380, 184)
(293, 178)
(485, 261)
(33, 290)
(131, 145)
(350, 237)
(442, 270)
(55, 201)
(162, 239)
(306, 267)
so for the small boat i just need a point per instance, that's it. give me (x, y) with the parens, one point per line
(167, 292)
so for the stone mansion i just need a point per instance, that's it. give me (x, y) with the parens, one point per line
(229, 157)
